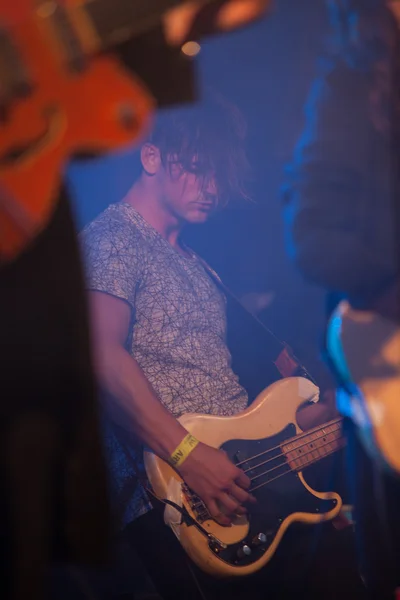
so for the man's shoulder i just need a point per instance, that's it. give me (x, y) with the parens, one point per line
(113, 224)
(113, 252)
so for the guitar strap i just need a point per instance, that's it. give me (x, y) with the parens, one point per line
(258, 356)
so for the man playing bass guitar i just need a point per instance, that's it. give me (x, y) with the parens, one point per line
(159, 336)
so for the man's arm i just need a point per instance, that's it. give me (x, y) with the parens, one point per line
(135, 406)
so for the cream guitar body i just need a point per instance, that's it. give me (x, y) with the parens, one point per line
(266, 442)
(364, 349)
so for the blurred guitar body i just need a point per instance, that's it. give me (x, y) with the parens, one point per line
(56, 103)
(64, 92)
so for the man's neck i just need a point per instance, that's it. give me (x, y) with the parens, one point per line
(149, 205)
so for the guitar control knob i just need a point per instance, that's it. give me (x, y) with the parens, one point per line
(243, 551)
(259, 539)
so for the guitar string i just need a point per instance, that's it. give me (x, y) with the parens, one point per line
(316, 439)
(284, 463)
(337, 440)
(290, 440)
(289, 471)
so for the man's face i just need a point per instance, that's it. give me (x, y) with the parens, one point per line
(188, 194)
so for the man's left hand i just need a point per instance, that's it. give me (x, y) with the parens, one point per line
(311, 415)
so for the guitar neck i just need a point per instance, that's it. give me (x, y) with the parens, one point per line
(105, 24)
(314, 445)
(89, 27)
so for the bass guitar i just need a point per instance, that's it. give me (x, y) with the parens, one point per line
(266, 442)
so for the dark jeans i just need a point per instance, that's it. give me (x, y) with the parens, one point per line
(317, 564)
(376, 497)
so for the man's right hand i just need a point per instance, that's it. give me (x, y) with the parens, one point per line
(136, 407)
(217, 481)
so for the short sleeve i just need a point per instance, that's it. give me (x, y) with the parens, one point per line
(113, 257)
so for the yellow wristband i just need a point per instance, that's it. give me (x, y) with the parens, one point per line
(180, 454)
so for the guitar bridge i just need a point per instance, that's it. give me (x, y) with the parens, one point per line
(197, 505)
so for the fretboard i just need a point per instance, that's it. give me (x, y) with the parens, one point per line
(310, 447)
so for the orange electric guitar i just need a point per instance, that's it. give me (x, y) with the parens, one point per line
(63, 92)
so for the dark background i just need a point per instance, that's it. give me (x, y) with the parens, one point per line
(266, 69)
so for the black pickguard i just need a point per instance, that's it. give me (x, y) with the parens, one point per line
(282, 495)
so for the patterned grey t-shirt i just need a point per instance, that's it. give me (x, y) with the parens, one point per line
(177, 333)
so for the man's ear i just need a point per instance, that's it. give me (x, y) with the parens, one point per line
(151, 158)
